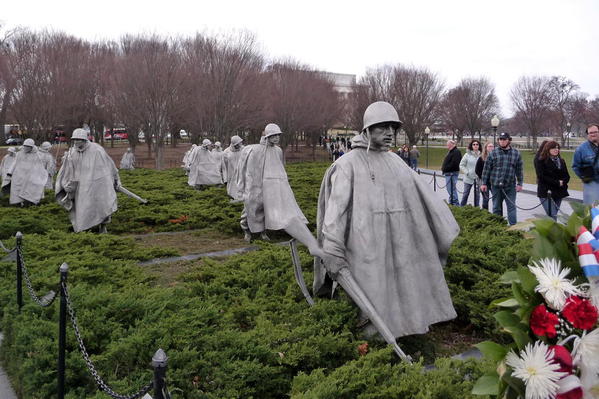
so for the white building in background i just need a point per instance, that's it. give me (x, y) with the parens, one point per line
(344, 82)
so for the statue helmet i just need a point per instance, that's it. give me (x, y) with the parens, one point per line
(236, 140)
(12, 149)
(46, 145)
(217, 143)
(206, 142)
(79, 134)
(271, 129)
(378, 112)
(29, 143)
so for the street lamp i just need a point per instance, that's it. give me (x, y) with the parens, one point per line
(568, 126)
(427, 131)
(494, 123)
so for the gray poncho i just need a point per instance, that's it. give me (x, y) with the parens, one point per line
(6, 165)
(230, 168)
(393, 232)
(50, 165)
(204, 168)
(85, 186)
(29, 177)
(265, 190)
(128, 161)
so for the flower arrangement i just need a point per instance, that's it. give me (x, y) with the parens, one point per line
(552, 318)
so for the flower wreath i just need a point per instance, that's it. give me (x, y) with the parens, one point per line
(551, 317)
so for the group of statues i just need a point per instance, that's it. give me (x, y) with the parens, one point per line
(85, 186)
(382, 234)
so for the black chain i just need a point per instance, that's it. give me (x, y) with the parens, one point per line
(522, 209)
(44, 301)
(5, 249)
(90, 365)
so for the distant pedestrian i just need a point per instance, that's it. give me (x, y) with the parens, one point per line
(451, 171)
(414, 155)
(503, 174)
(468, 169)
(404, 153)
(586, 166)
(552, 177)
(480, 165)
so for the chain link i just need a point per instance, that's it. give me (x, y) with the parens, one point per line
(522, 209)
(90, 365)
(44, 301)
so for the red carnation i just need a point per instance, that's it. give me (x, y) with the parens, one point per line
(580, 313)
(562, 357)
(543, 322)
(576, 393)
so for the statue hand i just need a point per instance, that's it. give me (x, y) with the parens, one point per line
(333, 264)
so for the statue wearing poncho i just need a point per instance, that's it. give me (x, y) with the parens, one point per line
(268, 200)
(85, 185)
(128, 160)
(385, 225)
(49, 163)
(231, 156)
(7, 163)
(29, 176)
(204, 168)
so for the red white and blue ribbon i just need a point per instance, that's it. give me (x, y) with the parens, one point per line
(588, 250)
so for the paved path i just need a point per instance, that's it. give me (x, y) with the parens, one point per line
(6, 391)
(526, 199)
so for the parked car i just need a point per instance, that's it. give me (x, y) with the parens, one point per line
(119, 134)
(14, 141)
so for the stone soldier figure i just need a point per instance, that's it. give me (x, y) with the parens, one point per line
(128, 160)
(231, 156)
(49, 163)
(187, 158)
(6, 165)
(203, 167)
(382, 226)
(28, 176)
(269, 202)
(86, 184)
(217, 155)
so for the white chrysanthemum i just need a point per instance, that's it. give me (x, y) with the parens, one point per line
(553, 284)
(586, 350)
(537, 369)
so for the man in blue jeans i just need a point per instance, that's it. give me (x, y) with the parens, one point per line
(503, 173)
(451, 171)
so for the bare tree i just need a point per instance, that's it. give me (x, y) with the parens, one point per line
(563, 93)
(532, 101)
(415, 92)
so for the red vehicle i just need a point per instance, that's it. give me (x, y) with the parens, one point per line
(119, 134)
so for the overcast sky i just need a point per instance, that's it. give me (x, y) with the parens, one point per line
(501, 40)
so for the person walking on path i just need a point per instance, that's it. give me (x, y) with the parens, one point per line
(552, 178)
(451, 171)
(404, 153)
(586, 164)
(504, 175)
(414, 155)
(480, 165)
(468, 169)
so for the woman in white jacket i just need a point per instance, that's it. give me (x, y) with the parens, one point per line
(467, 167)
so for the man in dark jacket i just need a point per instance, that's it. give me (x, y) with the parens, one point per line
(451, 171)
(504, 175)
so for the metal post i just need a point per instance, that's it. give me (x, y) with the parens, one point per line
(494, 133)
(159, 362)
(19, 237)
(435, 180)
(427, 151)
(62, 330)
(549, 204)
(451, 188)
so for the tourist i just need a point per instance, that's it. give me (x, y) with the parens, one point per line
(585, 165)
(503, 174)
(552, 177)
(468, 169)
(480, 165)
(451, 171)
(414, 155)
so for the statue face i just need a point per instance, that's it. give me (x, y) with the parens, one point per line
(79, 144)
(27, 149)
(381, 135)
(272, 140)
(237, 146)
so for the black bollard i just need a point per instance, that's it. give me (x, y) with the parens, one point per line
(549, 203)
(19, 237)
(62, 330)
(435, 181)
(159, 361)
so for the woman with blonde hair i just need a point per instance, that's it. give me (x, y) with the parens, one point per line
(480, 165)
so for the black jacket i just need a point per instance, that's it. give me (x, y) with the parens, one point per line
(451, 163)
(478, 169)
(548, 177)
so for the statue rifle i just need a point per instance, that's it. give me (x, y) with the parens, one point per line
(131, 194)
(297, 270)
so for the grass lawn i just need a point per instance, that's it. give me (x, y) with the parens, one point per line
(437, 154)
